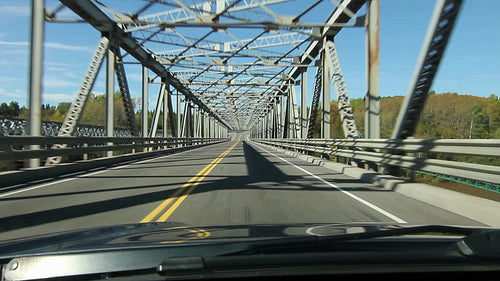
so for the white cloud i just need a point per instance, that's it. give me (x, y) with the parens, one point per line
(50, 45)
(14, 43)
(57, 97)
(68, 47)
(58, 82)
(15, 11)
(17, 93)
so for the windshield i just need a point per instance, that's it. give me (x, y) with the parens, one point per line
(178, 122)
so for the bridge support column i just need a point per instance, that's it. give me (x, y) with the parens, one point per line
(36, 71)
(145, 101)
(372, 99)
(165, 111)
(326, 85)
(303, 105)
(178, 119)
(110, 99)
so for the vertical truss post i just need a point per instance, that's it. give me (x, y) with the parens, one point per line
(110, 93)
(125, 93)
(303, 105)
(205, 125)
(212, 127)
(325, 120)
(191, 120)
(438, 33)
(179, 115)
(171, 116)
(36, 71)
(145, 100)
(271, 120)
(344, 105)
(165, 110)
(195, 122)
(184, 131)
(282, 113)
(313, 113)
(287, 128)
(372, 99)
(295, 112)
(156, 115)
(76, 109)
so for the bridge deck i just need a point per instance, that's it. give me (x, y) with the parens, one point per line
(237, 182)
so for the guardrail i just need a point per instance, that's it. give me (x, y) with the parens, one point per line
(17, 127)
(18, 147)
(412, 154)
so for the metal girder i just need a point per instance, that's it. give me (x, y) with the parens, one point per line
(156, 114)
(344, 105)
(125, 94)
(440, 28)
(36, 74)
(231, 46)
(100, 21)
(76, 109)
(187, 13)
(339, 15)
(313, 114)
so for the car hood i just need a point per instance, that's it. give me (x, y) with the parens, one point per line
(174, 233)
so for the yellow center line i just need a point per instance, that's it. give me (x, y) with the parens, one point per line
(193, 182)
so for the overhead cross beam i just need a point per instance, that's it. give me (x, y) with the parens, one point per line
(109, 28)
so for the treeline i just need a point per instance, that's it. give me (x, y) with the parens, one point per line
(93, 114)
(445, 116)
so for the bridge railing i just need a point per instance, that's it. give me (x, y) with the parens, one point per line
(18, 126)
(413, 154)
(18, 147)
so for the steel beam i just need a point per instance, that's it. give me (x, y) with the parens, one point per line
(145, 100)
(75, 111)
(165, 110)
(344, 105)
(156, 115)
(36, 72)
(89, 12)
(372, 98)
(173, 128)
(338, 16)
(125, 93)
(440, 28)
(326, 97)
(110, 93)
(303, 105)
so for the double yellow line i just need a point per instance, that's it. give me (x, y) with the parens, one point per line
(169, 205)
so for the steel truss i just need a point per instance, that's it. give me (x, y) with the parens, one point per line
(439, 32)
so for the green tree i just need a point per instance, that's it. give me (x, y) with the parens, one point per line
(14, 109)
(493, 111)
(63, 107)
(4, 109)
(479, 122)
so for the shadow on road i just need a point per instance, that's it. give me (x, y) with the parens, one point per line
(262, 174)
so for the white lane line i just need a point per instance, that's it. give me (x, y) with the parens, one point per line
(91, 174)
(366, 203)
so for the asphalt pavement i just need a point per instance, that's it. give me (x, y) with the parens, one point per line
(232, 183)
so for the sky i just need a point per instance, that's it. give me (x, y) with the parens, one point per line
(471, 65)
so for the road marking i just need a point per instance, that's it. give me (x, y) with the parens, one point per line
(94, 173)
(175, 200)
(366, 203)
